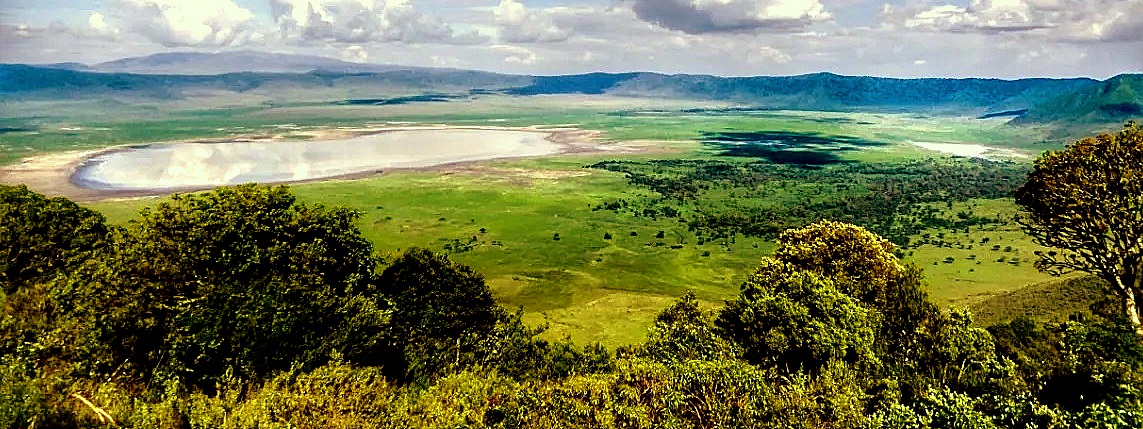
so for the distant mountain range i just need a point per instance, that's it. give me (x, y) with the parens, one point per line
(201, 63)
(172, 75)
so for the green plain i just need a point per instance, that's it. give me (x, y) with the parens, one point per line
(503, 217)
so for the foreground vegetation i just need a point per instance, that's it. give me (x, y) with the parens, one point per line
(244, 307)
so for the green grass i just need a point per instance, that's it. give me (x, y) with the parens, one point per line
(591, 288)
(570, 283)
(521, 210)
(584, 286)
(1050, 301)
(976, 271)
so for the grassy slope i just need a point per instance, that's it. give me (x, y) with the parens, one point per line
(985, 261)
(1053, 300)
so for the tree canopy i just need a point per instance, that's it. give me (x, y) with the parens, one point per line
(242, 279)
(1087, 201)
(41, 236)
(794, 319)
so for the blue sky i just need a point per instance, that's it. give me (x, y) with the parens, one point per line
(901, 38)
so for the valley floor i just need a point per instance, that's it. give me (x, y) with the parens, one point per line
(575, 246)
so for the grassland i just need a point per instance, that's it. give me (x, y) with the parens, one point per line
(529, 224)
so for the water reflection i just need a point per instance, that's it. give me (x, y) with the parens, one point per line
(198, 165)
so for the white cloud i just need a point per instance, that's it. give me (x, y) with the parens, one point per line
(517, 24)
(97, 24)
(710, 16)
(355, 53)
(768, 54)
(181, 23)
(1066, 20)
(515, 54)
(360, 21)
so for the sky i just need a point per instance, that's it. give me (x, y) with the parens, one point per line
(893, 38)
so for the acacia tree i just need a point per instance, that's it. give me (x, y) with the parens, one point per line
(1087, 200)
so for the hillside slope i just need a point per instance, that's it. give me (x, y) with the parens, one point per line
(1115, 100)
(49, 82)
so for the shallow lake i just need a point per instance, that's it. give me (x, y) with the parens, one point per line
(167, 166)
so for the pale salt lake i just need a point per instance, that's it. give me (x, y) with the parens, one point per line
(169, 166)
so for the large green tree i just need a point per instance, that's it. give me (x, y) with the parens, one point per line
(794, 319)
(441, 310)
(243, 279)
(41, 236)
(864, 266)
(1087, 201)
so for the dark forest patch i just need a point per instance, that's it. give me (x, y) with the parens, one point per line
(1122, 109)
(785, 147)
(1018, 112)
(424, 98)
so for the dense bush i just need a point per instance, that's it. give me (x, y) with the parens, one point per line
(41, 237)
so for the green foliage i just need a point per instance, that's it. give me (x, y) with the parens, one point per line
(243, 308)
(859, 269)
(792, 319)
(690, 394)
(964, 358)
(719, 199)
(859, 261)
(41, 237)
(683, 332)
(243, 279)
(1086, 200)
(441, 310)
(517, 351)
(336, 395)
(939, 408)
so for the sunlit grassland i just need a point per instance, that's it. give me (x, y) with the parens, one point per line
(985, 261)
(597, 289)
(583, 285)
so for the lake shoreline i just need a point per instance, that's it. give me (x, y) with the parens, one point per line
(55, 174)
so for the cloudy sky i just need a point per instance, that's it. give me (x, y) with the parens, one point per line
(901, 38)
